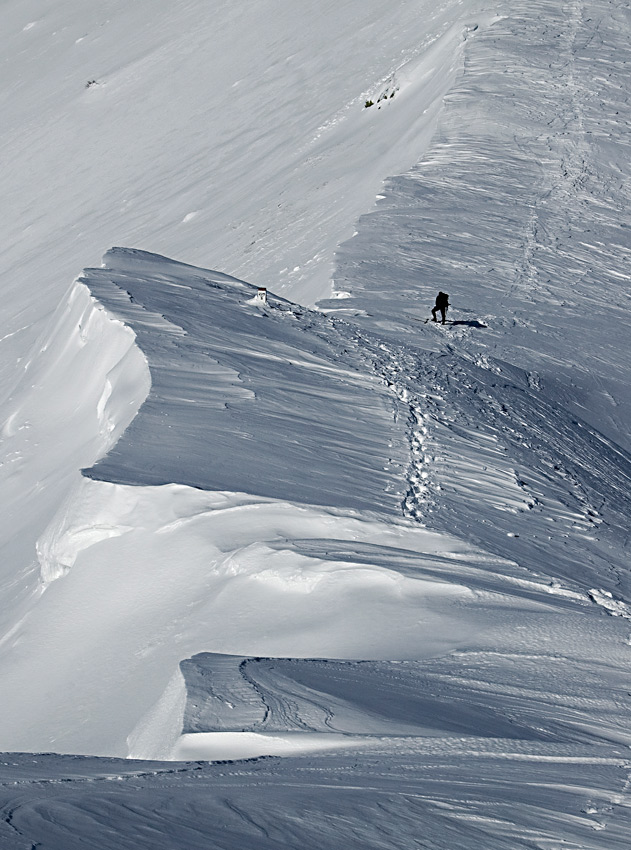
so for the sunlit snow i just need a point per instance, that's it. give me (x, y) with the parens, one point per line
(308, 570)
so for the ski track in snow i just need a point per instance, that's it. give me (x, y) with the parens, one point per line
(440, 601)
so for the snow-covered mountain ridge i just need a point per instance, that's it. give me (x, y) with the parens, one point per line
(222, 368)
(210, 133)
(520, 208)
(393, 554)
(359, 440)
(286, 404)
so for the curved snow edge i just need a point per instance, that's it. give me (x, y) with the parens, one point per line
(92, 367)
(156, 734)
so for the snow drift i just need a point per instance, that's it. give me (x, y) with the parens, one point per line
(394, 554)
(154, 572)
(319, 553)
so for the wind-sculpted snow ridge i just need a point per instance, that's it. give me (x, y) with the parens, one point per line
(520, 211)
(394, 554)
(439, 792)
(246, 397)
(264, 173)
(77, 391)
(319, 553)
(397, 698)
(157, 560)
(234, 694)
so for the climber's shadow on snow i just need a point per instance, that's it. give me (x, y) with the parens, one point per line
(472, 323)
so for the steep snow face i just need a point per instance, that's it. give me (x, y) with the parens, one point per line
(246, 396)
(78, 390)
(232, 135)
(154, 575)
(150, 559)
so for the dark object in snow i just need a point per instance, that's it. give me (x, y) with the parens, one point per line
(442, 304)
(471, 323)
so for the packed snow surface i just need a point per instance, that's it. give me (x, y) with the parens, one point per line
(316, 576)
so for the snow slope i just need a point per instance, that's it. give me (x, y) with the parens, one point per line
(520, 210)
(394, 554)
(158, 560)
(453, 650)
(220, 133)
(420, 793)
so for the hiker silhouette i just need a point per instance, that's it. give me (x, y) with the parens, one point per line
(442, 303)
